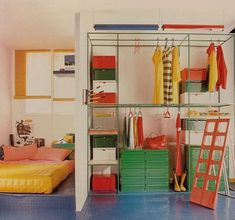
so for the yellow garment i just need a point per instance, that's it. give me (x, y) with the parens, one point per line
(32, 178)
(158, 92)
(213, 71)
(176, 78)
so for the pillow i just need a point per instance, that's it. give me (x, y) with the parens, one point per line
(19, 153)
(50, 153)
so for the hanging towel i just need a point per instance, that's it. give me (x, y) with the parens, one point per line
(140, 130)
(135, 131)
(212, 68)
(125, 132)
(178, 156)
(176, 78)
(167, 75)
(158, 92)
(222, 69)
(130, 132)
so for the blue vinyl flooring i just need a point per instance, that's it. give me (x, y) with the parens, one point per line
(137, 206)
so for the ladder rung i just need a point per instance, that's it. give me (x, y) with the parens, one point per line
(206, 147)
(202, 160)
(212, 177)
(215, 162)
(218, 148)
(198, 174)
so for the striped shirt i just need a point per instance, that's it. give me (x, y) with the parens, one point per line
(167, 75)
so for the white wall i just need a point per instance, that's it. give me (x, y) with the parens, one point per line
(5, 94)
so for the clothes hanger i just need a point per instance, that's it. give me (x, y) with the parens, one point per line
(167, 113)
(139, 113)
(166, 42)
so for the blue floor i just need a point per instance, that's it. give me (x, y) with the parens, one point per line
(138, 206)
(158, 206)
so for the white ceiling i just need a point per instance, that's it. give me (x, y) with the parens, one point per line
(28, 24)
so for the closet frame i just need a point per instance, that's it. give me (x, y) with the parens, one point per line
(118, 40)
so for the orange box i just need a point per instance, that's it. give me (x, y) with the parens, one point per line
(103, 62)
(197, 74)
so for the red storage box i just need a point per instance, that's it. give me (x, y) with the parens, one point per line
(104, 183)
(105, 97)
(198, 74)
(103, 62)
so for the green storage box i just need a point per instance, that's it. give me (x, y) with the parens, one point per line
(157, 155)
(193, 86)
(132, 164)
(193, 125)
(156, 165)
(104, 74)
(157, 188)
(133, 155)
(133, 180)
(192, 154)
(157, 173)
(132, 188)
(104, 141)
(132, 172)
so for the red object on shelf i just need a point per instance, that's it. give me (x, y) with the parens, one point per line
(192, 26)
(105, 97)
(198, 74)
(104, 183)
(103, 62)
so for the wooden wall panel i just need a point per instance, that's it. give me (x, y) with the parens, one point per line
(20, 73)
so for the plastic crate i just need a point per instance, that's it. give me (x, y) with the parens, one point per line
(105, 97)
(199, 74)
(103, 62)
(103, 183)
(133, 180)
(104, 141)
(132, 188)
(132, 172)
(104, 74)
(189, 86)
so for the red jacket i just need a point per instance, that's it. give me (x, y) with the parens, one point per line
(222, 69)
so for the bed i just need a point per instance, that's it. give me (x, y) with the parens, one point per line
(33, 175)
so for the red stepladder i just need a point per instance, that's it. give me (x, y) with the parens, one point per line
(210, 163)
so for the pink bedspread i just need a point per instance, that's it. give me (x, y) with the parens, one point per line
(27, 161)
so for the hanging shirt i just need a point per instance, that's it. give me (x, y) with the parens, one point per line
(222, 69)
(130, 132)
(125, 132)
(178, 155)
(135, 131)
(167, 75)
(140, 131)
(158, 93)
(212, 68)
(176, 78)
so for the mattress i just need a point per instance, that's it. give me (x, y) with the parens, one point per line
(33, 176)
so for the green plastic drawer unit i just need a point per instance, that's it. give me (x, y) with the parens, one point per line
(104, 141)
(132, 188)
(162, 173)
(193, 86)
(104, 74)
(132, 164)
(156, 165)
(157, 188)
(193, 125)
(157, 155)
(133, 155)
(155, 180)
(132, 172)
(133, 180)
(192, 154)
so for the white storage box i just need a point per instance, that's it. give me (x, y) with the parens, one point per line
(105, 154)
(101, 170)
(199, 98)
(106, 86)
(192, 137)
